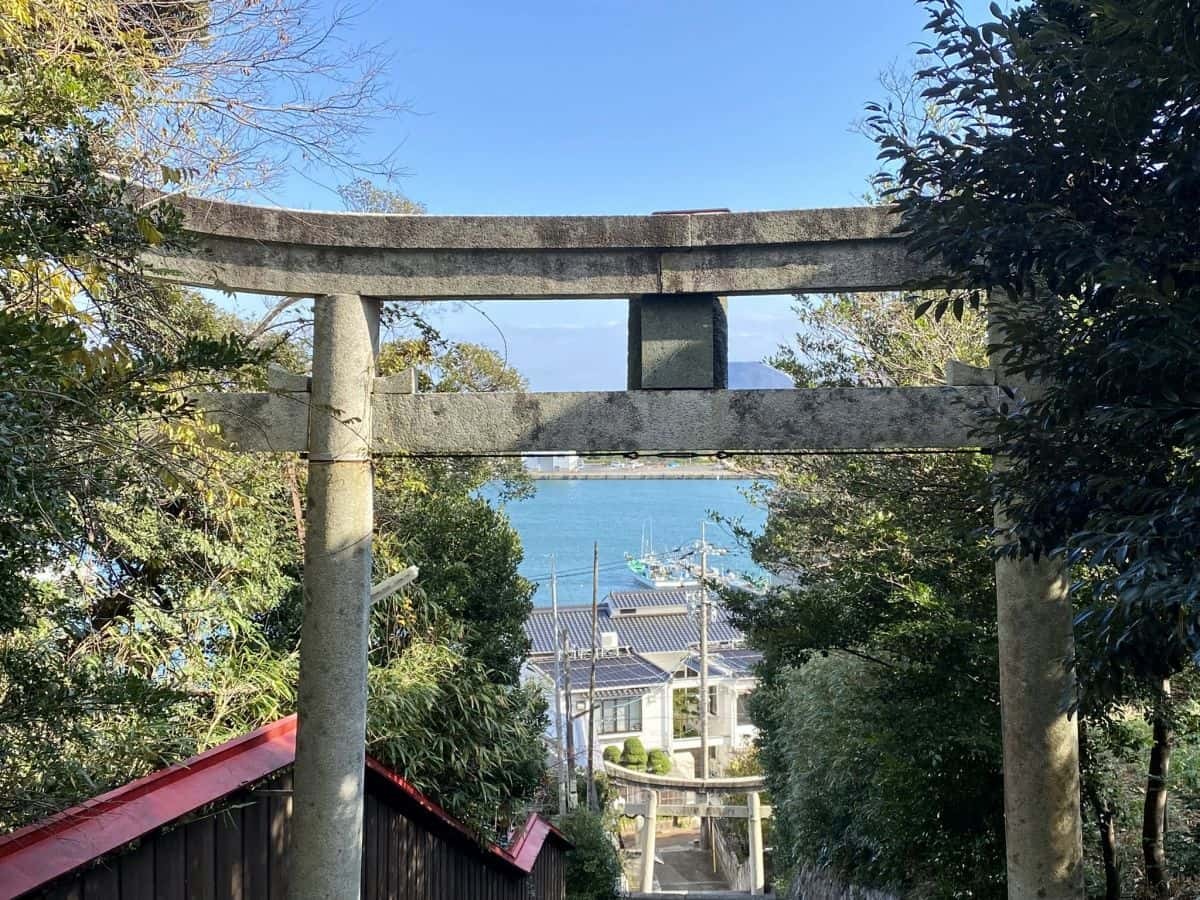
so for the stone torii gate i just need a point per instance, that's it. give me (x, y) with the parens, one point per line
(651, 784)
(674, 270)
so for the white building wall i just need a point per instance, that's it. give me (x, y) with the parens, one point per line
(657, 731)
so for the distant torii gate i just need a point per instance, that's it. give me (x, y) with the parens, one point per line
(674, 270)
(754, 811)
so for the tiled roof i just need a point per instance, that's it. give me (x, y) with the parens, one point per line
(624, 671)
(722, 663)
(648, 599)
(643, 633)
(577, 621)
(738, 661)
(671, 631)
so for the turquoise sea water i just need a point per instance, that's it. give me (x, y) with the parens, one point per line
(565, 517)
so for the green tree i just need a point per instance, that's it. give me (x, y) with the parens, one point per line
(92, 355)
(149, 582)
(890, 607)
(593, 866)
(1069, 185)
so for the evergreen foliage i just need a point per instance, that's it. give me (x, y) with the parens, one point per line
(149, 581)
(1068, 183)
(1061, 176)
(593, 866)
(892, 608)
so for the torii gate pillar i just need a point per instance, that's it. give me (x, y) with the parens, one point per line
(326, 852)
(757, 861)
(648, 841)
(1043, 834)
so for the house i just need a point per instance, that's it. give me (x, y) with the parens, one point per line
(648, 674)
(218, 825)
(552, 462)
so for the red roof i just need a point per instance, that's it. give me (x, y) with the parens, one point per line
(39, 853)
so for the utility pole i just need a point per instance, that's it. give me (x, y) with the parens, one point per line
(703, 654)
(706, 822)
(559, 770)
(592, 799)
(572, 797)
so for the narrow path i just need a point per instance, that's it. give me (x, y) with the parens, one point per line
(685, 867)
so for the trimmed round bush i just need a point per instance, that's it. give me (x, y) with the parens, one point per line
(612, 754)
(634, 755)
(658, 762)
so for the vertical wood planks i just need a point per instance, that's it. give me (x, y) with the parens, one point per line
(256, 847)
(230, 861)
(241, 853)
(280, 811)
(170, 865)
(137, 872)
(200, 849)
(71, 890)
(102, 882)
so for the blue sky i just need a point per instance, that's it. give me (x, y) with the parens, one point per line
(625, 107)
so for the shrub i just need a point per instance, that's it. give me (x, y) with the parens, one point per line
(658, 762)
(634, 756)
(593, 866)
(612, 754)
(910, 802)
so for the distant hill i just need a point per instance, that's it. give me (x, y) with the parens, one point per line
(746, 376)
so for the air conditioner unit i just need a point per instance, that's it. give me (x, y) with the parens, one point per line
(608, 640)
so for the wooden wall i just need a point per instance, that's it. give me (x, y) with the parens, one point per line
(239, 852)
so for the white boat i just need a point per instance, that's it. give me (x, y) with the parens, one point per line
(683, 571)
(660, 575)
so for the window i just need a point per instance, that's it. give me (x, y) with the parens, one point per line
(623, 714)
(686, 710)
(743, 710)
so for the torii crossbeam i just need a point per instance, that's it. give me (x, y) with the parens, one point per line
(675, 271)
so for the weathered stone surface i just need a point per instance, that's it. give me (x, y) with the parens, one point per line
(961, 373)
(678, 342)
(733, 783)
(642, 421)
(259, 423)
(824, 267)
(1034, 626)
(847, 223)
(631, 421)
(408, 232)
(331, 694)
(301, 270)
(278, 251)
(684, 810)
